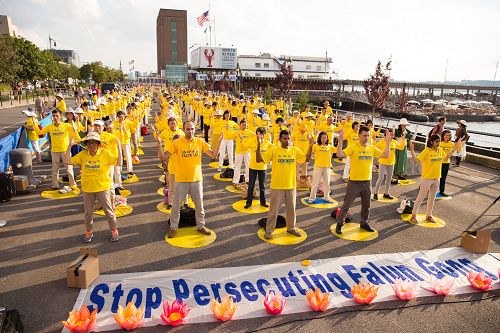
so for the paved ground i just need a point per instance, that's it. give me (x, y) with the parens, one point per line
(42, 236)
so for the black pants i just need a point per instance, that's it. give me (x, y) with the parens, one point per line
(444, 173)
(201, 123)
(206, 128)
(251, 185)
(356, 188)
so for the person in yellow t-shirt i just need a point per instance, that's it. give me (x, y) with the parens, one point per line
(431, 158)
(277, 128)
(386, 165)
(284, 159)
(60, 103)
(242, 153)
(352, 138)
(228, 127)
(122, 129)
(61, 137)
(215, 131)
(361, 155)
(447, 145)
(112, 144)
(32, 130)
(257, 170)
(294, 120)
(300, 139)
(330, 129)
(96, 182)
(322, 151)
(188, 179)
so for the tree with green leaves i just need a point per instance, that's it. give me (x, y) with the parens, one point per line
(9, 67)
(269, 94)
(303, 99)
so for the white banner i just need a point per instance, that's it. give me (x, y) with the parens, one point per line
(214, 58)
(248, 284)
(217, 77)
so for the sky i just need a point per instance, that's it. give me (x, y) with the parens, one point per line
(419, 35)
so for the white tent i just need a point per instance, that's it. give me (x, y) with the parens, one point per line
(457, 102)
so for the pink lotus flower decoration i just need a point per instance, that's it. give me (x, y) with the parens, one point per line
(274, 303)
(81, 321)
(479, 280)
(440, 286)
(225, 309)
(364, 294)
(317, 300)
(174, 314)
(405, 290)
(129, 318)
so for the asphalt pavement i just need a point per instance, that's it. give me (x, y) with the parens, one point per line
(42, 236)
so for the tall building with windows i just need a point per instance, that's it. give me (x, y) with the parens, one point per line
(171, 44)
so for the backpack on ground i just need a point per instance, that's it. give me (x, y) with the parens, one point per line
(406, 206)
(228, 173)
(10, 321)
(336, 212)
(244, 190)
(7, 186)
(280, 222)
(225, 162)
(187, 217)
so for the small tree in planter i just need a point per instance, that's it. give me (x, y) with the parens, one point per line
(377, 87)
(269, 94)
(284, 78)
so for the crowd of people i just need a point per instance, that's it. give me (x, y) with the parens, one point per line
(248, 135)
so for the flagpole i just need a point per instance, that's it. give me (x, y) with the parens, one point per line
(215, 35)
(210, 24)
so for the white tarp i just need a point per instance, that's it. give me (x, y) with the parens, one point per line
(248, 284)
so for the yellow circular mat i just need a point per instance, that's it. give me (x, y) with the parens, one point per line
(215, 165)
(319, 203)
(406, 182)
(422, 221)
(119, 211)
(190, 237)
(163, 208)
(217, 176)
(255, 208)
(352, 231)
(160, 191)
(232, 189)
(439, 197)
(162, 178)
(125, 193)
(140, 152)
(281, 237)
(382, 199)
(56, 195)
(130, 180)
(338, 160)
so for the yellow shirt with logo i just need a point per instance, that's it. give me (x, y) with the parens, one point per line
(251, 144)
(189, 156)
(228, 129)
(60, 136)
(284, 166)
(323, 155)
(329, 130)
(61, 106)
(391, 160)
(95, 170)
(241, 139)
(352, 137)
(361, 161)
(447, 147)
(167, 136)
(32, 134)
(431, 162)
(276, 133)
(301, 140)
(124, 133)
(111, 143)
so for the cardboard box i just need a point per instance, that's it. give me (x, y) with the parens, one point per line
(84, 270)
(21, 183)
(476, 241)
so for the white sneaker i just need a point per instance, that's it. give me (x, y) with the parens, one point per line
(65, 189)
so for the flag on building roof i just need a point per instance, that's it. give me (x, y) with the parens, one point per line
(202, 19)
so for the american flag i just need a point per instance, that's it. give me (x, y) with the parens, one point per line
(203, 18)
(131, 62)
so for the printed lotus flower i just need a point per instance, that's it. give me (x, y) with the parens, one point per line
(129, 318)
(479, 280)
(174, 314)
(440, 286)
(274, 303)
(364, 294)
(405, 290)
(317, 300)
(225, 309)
(81, 321)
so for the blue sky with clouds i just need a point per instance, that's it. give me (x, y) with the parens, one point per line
(420, 35)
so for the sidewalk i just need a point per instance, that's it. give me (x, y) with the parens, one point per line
(15, 103)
